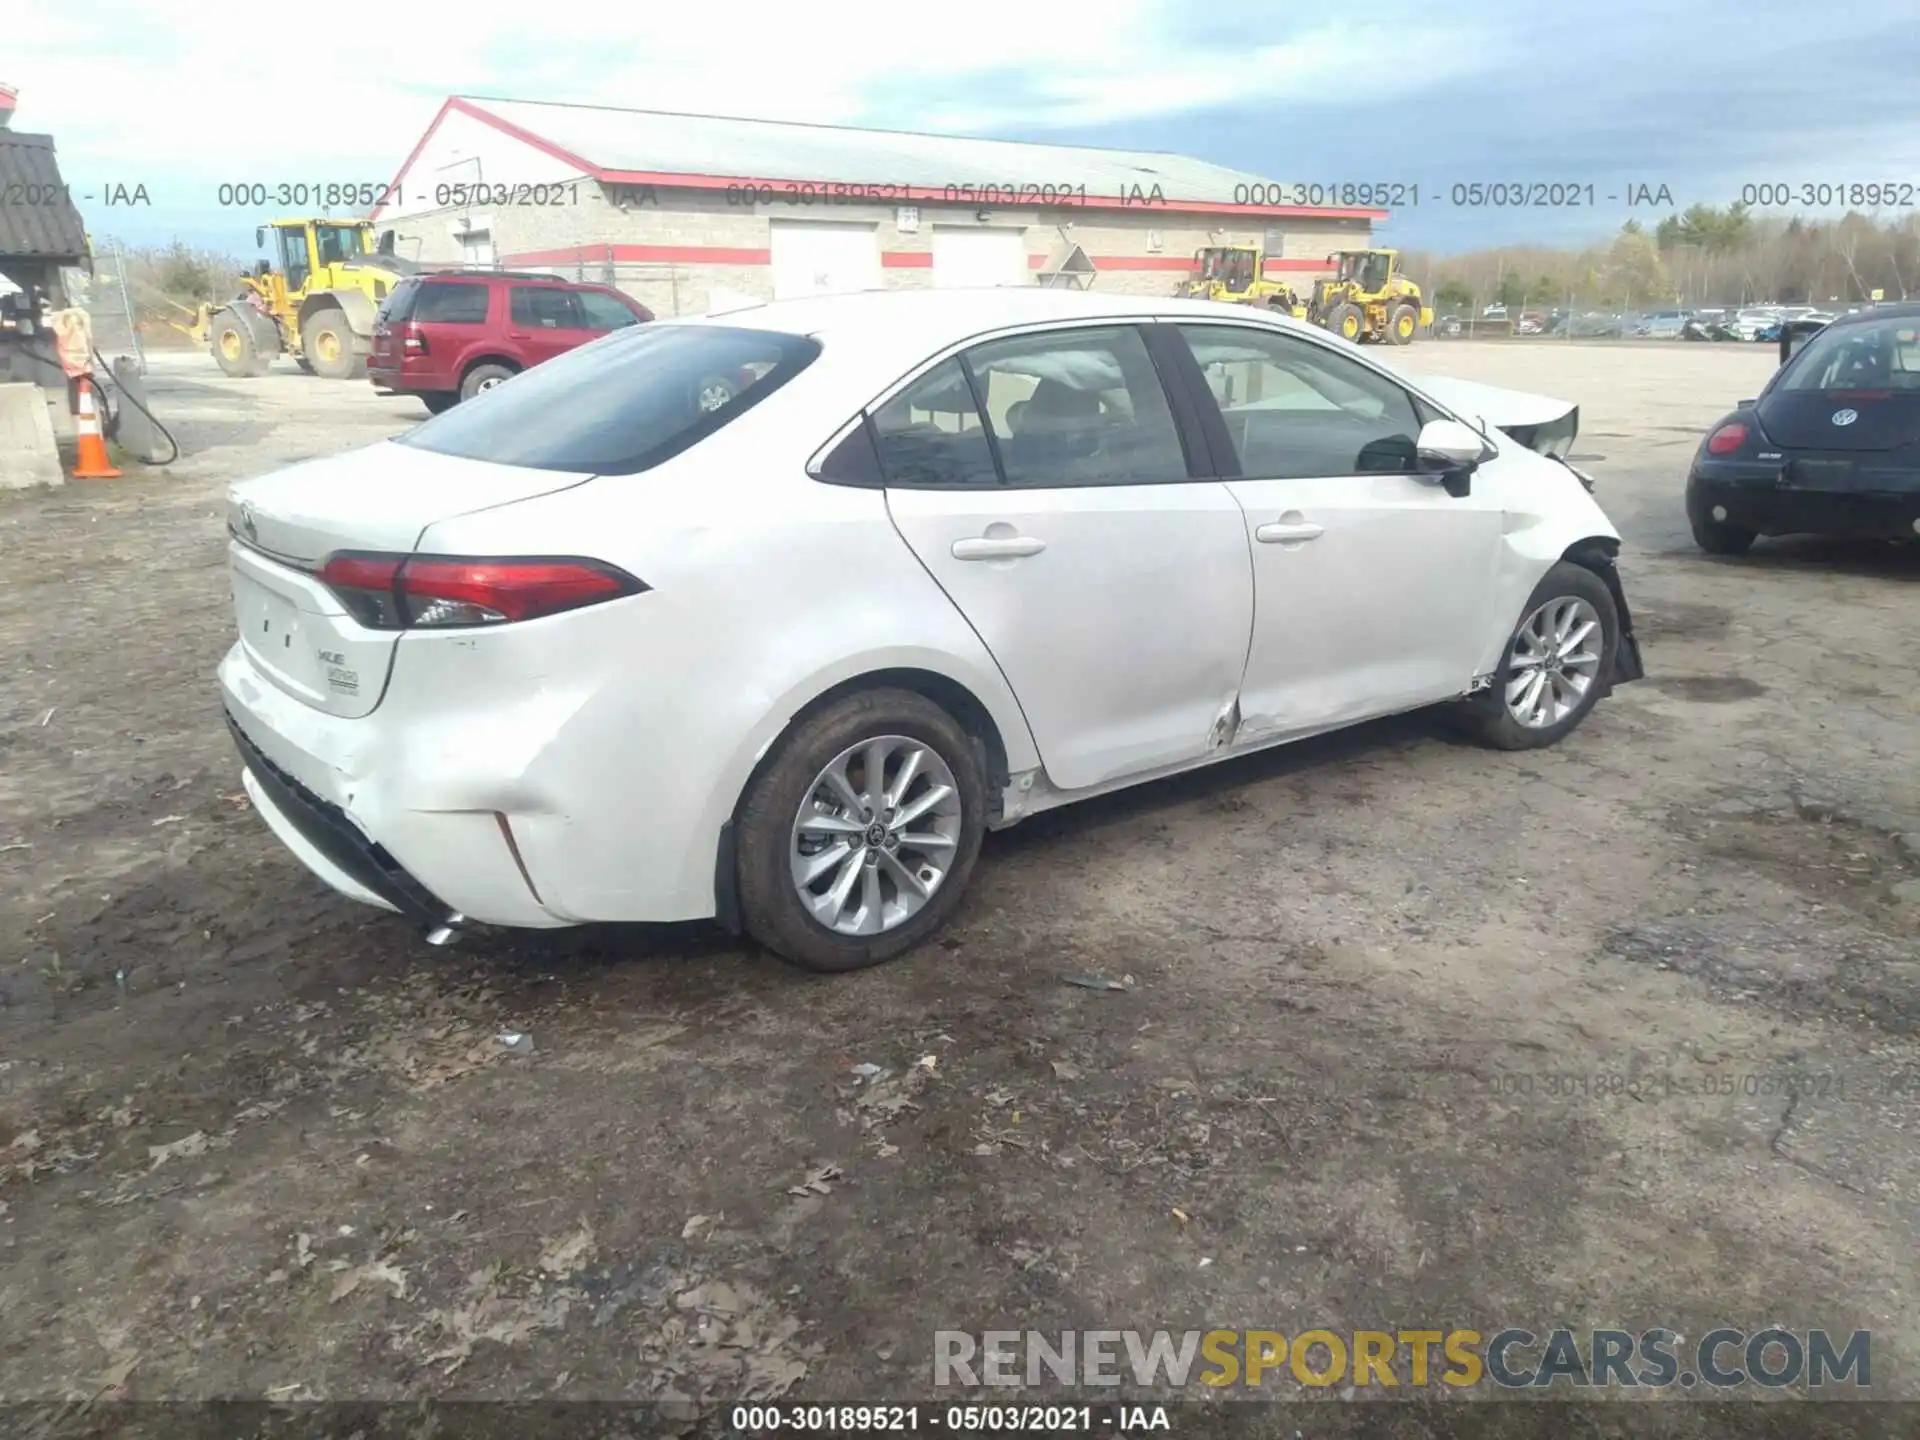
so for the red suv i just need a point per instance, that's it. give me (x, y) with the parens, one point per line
(447, 336)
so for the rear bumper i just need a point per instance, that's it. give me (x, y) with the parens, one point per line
(1754, 500)
(363, 805)
(328, 844)
(396, 379)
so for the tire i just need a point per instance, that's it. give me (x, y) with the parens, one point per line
(438, 402)
(1403, 323)
(769, 848)
(1346, 318)
(1489, 718)
(484, 377)
(233, 349)
(327, 343)
(1715, 538)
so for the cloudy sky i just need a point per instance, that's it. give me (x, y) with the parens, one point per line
(1703, 96)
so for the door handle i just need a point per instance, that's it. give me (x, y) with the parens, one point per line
(1280, 534)
(1006, 547)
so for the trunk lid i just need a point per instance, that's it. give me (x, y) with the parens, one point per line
(379, 498)
(1850, 420)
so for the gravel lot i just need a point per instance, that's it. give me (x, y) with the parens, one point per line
(1385, 989)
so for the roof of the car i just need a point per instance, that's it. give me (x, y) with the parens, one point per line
(961, 311)
(1895, 310)
(517, 276)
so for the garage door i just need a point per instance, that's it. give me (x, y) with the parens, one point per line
(979, 257)
(818, 259)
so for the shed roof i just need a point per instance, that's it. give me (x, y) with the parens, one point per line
(658, 147)
(37, 217)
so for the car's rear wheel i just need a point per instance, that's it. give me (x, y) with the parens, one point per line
(856, 841)
(438, 401)
(484, 377)
(1720, 539)
(1555, 666)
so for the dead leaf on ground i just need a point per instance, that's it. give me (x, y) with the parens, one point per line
(114, 1377)
(182, 1149)
(818, 1182)
(1066, 1070)
(350, 1280)
(568, 1253)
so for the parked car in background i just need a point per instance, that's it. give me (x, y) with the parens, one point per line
(1830, 446)
(449, 335)
(1662, 324)
(585, 649)
(1531, 322)
(1752, 323)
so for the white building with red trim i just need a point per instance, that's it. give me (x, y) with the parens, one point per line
(681, 209)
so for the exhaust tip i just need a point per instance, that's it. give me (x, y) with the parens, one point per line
(447, 931)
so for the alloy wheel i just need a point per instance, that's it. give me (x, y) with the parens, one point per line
(1554, 662)
(876, 834)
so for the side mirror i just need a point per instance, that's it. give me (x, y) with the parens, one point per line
(260, 237)
(1452, 451)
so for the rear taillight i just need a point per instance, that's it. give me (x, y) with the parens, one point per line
(1727, 439)
(406, 592)
(412, 342)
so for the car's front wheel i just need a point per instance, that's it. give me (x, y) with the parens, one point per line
(1555, 667)
(856, 840)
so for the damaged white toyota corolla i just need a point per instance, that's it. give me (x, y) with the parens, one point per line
(768, 616)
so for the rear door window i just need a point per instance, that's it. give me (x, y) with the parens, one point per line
(547, 307)
(930, 435)
(624, 403)
(1078, 407)
(457, 303)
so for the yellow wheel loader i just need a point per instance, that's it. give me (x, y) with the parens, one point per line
(316, 304)
(1369, 300)
(1236, 274)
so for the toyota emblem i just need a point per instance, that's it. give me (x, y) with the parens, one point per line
(1845, 417)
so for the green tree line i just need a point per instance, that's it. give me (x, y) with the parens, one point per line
(1704, 255)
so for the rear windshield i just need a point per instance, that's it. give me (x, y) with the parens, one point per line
(1869, 355)
(621, 404)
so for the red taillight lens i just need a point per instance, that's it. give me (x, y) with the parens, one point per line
(1727, 439)
(401, 592)
(367, 585)
(411, 340)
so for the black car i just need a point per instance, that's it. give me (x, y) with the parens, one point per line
(1830, 447)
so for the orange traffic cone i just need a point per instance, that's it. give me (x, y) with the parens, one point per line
(91, 462)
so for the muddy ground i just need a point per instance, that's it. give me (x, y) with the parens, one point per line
(1387, 995)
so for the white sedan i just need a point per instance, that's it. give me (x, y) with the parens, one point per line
(597, 646)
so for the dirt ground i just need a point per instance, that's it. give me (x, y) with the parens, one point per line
(1386, 996)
